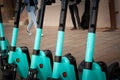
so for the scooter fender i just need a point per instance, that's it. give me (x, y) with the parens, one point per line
(43, 65)
(95, 74)
(19, 58)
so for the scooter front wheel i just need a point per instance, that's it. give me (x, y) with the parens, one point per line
(8, 75)
(114, 71)
(48, 53)
(26, 51)
(104, 68)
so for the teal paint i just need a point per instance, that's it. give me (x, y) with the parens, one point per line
(64, 66)
(86, 74)
(38, 39)
(22, 65)
(94, 74)
(90, 47)
(1, 30)
(56, 72)
(34, 61)
(46, 70)
(10, 58)
(14, 36)
(97, 72)
(3, 45)
(60, 41)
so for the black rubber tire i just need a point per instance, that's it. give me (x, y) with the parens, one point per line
(81, 66)
(29, 79)
(104, 68)
(53, 79)
(114, 71)
(72, 61)
(7, 75)
(6, 52)
(26, 51)
(49, 55)
(102, 65)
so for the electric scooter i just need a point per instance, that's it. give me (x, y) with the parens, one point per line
(64, 67)
(93, 70)
(96, 70)
(42, 61)
(18, 57)
(4, 45)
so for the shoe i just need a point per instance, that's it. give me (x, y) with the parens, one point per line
(42, 35)
(29, 33)
(73, 28)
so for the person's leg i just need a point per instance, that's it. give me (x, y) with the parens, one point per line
(33, 16)
(72, 17)
(30, 21)
(77, 15)
(29, 24)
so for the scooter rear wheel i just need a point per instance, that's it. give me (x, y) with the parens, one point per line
(81, 66)
(114, 71)
(104, 68)
(8, 75)
(26, 51)
(49, 55)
